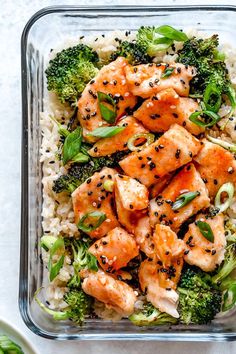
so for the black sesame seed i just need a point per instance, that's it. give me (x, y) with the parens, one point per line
(215, 181)
(186, 252)
(88, 180)
(175, 115)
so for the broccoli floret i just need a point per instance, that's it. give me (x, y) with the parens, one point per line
(202, 53)
(199, 298)
(228, 265)
(133, 52)
(79, 305)
(82, 258)
(148, 39)
(65, 183)
(150, 316)
(70, 71)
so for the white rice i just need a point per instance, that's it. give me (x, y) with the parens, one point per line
(57, 213)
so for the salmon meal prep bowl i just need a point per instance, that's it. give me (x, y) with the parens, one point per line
(128, 223)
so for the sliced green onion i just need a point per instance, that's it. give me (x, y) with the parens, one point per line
(72, 145)
(159, 45)
(106, 132)
(57, 315)
(212, 97)
(205, 230)
(225, 188)
(47, 242)
(228, 146)
(108, 185)
(214, 118)
(54, 269)
(232, 98)
(229, 298)
(99, 219)
(167, 72)
(108, 114)
(147, 136)
(184, 199)
(7, 346)
(172, 33)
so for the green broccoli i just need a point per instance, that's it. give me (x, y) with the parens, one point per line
(150, 316)
(79, 305)
(227, 266)
(70, 71)
(77, 173)
(199, 298)
(82, 258)
(133, 52)
(202, 54)
(151, 42)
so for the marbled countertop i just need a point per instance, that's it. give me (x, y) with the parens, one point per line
(13, 16)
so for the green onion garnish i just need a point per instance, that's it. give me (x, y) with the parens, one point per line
(205, 230)
(228, 146)
(106, 132)
(212, 97)
(232, 98)
(149, 139)
(214, 118)
(108, 185)
(225, 188)
(184, 199)
(167, 72)
(108, 113)
(229, 298)
(99, 218)
(54, 268)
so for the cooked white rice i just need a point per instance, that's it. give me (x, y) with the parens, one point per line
(57, 213)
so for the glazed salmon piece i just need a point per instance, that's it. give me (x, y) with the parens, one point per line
(159, 287)
(132, 194)
(166, 108)
(173, 149)
(118, 142)
(114, 293)
(143, 236)
(216, 166)
(115, 250)
(187, 180)
(145, 80)
(160, 185)
(201, 252)
(129, 219)
(110, 80)
(91, 196)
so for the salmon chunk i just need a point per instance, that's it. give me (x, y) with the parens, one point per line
(160, 185)
(118, 142)
(201, 252)
(132, 194)
(143, 236)
(115, 250)
(187, 180)
(91, 196)
(128, 218)
(146, 80)
(166, 108)
(110, 80)
(173, 149)
(216, 166)
(159, 287)
(114, 293)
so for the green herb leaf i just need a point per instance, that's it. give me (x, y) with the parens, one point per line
(99, 219)
(106, 132)
(80, 158)
(167, 72)
(184, 199)
(172, 33)
(54, 269)
(72, 145)
(108, 114)
(214, 118)
(212, 97)
(229, 298)
(205, 230)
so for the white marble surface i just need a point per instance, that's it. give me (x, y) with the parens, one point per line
(13, 16)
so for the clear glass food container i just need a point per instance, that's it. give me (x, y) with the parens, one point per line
(46, 30)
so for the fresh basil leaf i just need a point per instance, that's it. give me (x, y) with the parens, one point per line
(106, 132)
(54, 269)
(80, 158)
(184, 199)
(167, 72)
(72, 145)
(108, 114)
(205, 230)
(172, 33)
(99, 219)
